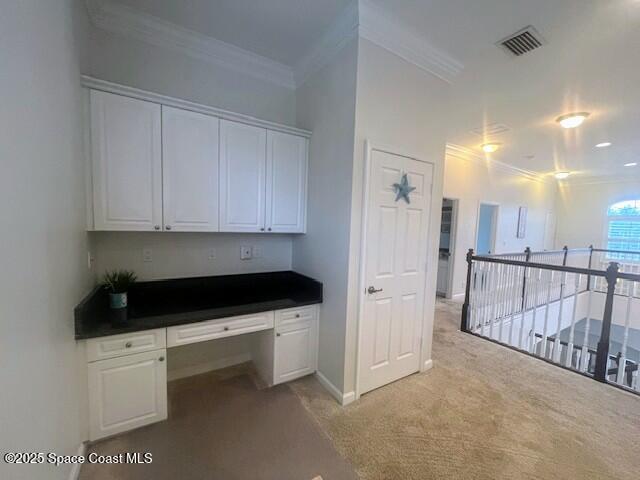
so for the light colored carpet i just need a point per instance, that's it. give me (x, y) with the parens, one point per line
(484, 412)
(222, 427)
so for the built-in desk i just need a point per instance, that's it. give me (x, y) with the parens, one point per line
(127, 363)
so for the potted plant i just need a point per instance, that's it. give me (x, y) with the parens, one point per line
(117, 283)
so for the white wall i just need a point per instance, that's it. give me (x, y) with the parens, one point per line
(43, 239)
(582, 211)
(326, 105)
(129, 61)
(472, 182)
(398, 105)
(188, 254)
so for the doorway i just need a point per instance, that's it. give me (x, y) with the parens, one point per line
(393, 274)
(487, 224)
(447, 247)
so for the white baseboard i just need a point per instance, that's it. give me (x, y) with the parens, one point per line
(75, 468)
(428, 365)
(192, 370)
(342, 398)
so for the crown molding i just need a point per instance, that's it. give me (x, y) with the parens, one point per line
(123, 20)
(343, 29)
(378, 27)
(469, 155)
(578, 181)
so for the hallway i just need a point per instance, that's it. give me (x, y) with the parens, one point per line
(483, 412)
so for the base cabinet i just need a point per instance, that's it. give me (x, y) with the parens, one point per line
(127, 392)
(295, 344)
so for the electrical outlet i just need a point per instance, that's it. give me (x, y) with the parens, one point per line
(257, 251)
(147, 255)
(245, 253)
(212, 254)
(90, 260)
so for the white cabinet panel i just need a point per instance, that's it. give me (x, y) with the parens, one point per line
(242, 177)
(286, 183)
(189, 171)
(126, 154)
(127, 392)
(296, 345)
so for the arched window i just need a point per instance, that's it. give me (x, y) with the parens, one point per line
(623, 229)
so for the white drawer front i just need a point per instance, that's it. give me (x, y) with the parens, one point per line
(125, 344)
(219, 328)
(295, 315)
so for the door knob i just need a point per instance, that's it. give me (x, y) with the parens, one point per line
(372, 290)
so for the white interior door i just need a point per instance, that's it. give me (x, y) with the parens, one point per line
(127, 163)
(243, 150)
(394, 270)
(189, 171)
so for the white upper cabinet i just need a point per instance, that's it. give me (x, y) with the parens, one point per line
(242, 177)
(286, 183)
(126, 163)
(189, 171)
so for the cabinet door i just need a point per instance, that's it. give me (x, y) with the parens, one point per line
(189, 171)
(127, 392)
(286, 183)
(295, 350)
(242, 177)
(126, 160)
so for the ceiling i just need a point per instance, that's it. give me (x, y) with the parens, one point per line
(590, 63)
(281, 30)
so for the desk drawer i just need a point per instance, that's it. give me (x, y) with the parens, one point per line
(219, 328)
(295, 315)
(125, 344)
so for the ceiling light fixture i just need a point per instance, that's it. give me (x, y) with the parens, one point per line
(562, 175)
(603, 145)
(572, 120)
(490, 147)
(632, 164)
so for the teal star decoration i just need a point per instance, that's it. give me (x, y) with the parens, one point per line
(403, 189)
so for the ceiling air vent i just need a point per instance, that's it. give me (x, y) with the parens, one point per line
(522, 41)
(490, 129)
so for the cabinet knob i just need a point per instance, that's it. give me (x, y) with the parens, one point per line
(262, 229)
(168, 227)
(157, 227)
(226, 329)
(277, 334)
(127, 345)
(297, 315)
(161, 359)
(269, 228)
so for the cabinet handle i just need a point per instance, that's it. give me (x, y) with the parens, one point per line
(157, 227)
(168, 227)
(262, 229)
(161, 359)
(128, 345)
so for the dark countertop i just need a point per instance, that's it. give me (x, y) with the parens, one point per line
(164, 303)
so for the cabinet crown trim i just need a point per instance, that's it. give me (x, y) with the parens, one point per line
(110, 87)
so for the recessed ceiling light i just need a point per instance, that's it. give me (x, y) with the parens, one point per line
(632, 164)
(603, 145)
(562, 175)
(490, 147)
(572, 120)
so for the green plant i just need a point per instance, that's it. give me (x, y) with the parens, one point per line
(118, 281)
